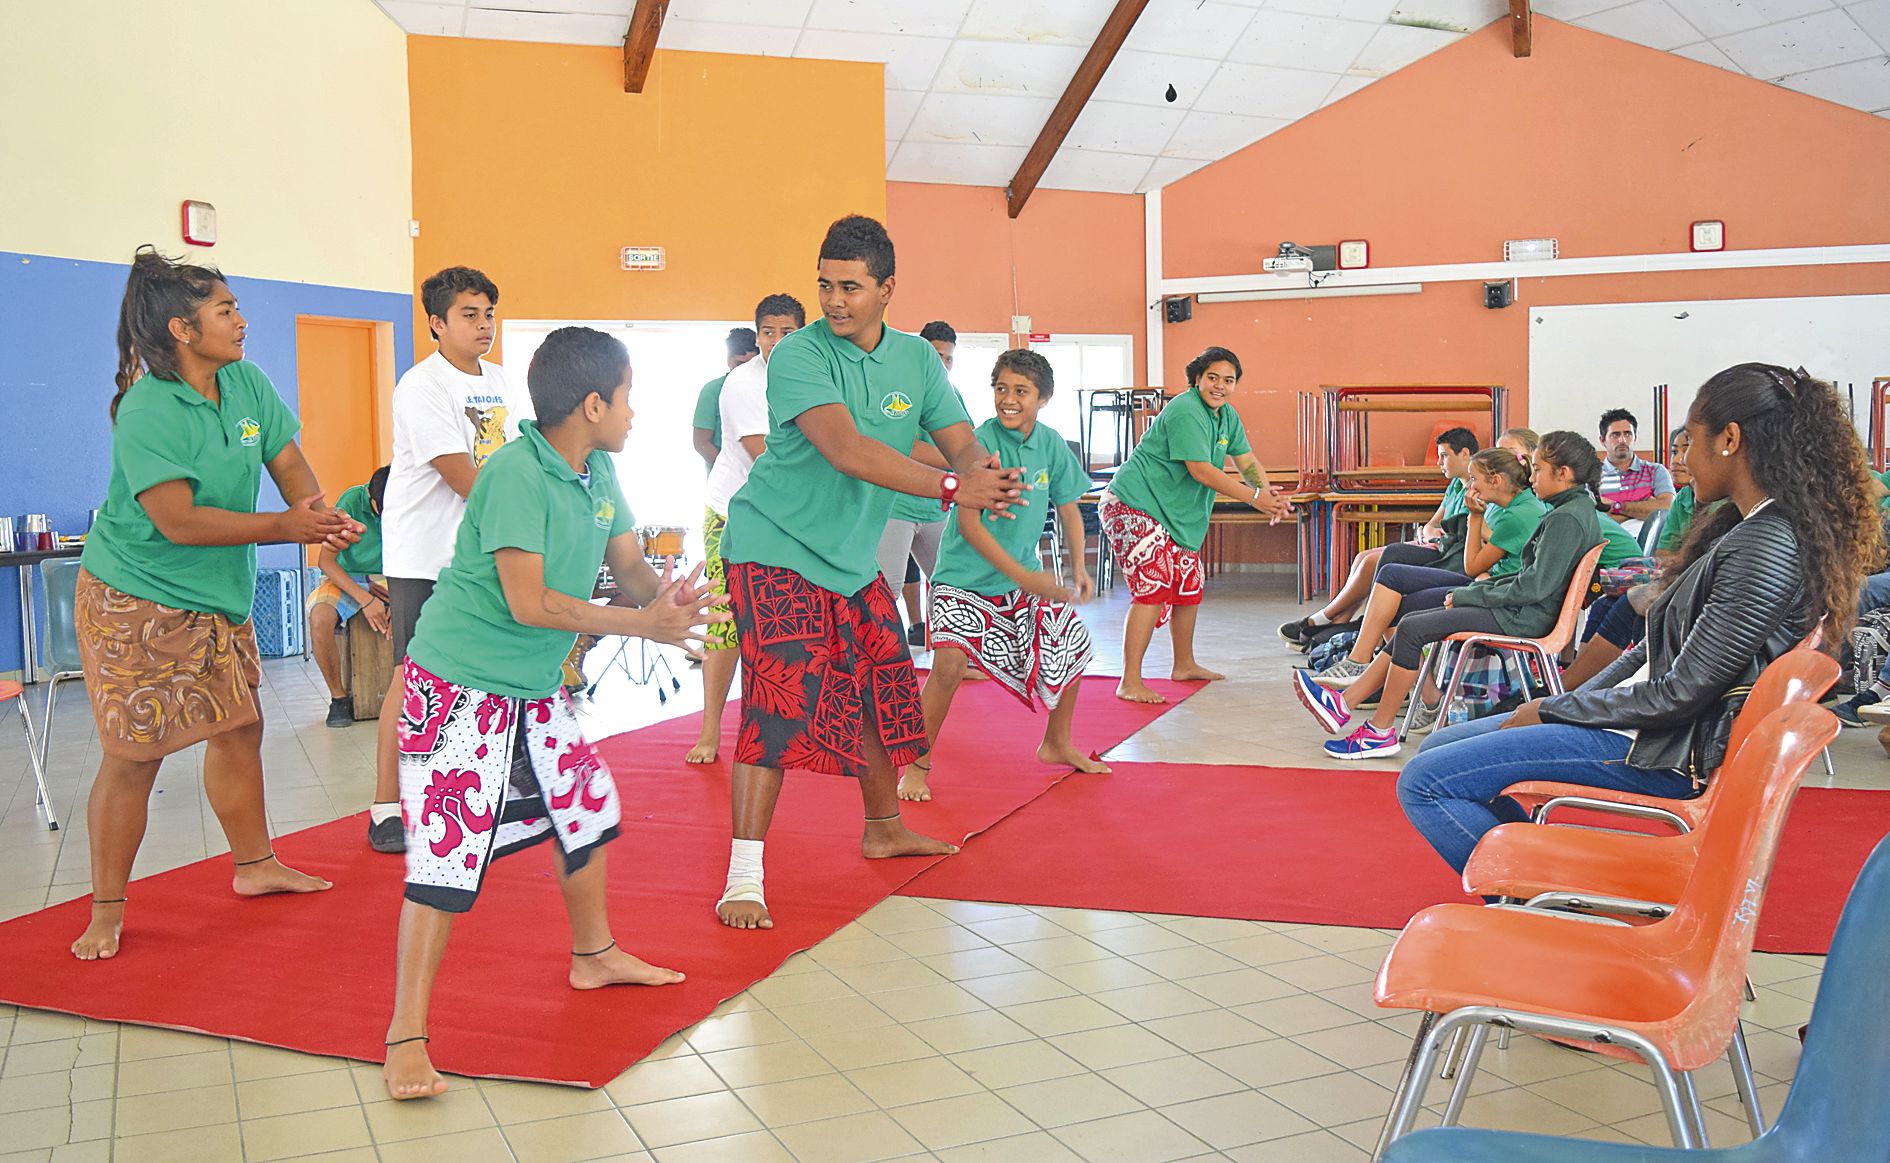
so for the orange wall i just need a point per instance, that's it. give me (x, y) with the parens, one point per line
(1609, 147)
(1072, 261)
(531, 163)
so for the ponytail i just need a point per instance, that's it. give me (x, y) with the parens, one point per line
(158, 290)
(1571, 450)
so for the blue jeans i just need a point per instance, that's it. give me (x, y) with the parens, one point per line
(1451, 790)
(1875, 594)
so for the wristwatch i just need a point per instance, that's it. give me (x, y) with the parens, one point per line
(947, 490)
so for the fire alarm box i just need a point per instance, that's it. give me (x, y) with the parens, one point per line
(200, 223)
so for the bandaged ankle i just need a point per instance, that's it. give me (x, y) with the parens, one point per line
(381, 813)
(744, 862)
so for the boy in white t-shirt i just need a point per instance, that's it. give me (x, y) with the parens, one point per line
(451, 411)
(744, 416)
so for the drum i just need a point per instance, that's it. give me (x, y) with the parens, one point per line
(662, 540)
(370, 667)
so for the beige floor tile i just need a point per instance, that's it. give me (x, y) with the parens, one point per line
(573, 1138)
(1314, 1147)
(1531, 1060)
(1300, 1014)
(969, 1031)
(27, 1092)
(1059, 1102)
(197, 1145)
(928, 1001)
(1340, 938)
(964, 911)
(677, 1077)
(482, 1146)
(985, 960)
(1770, 969)
(1084, 921)
(42, 1026)
(685, 1120)
(882, 976)
(1016, 1064)
(1208, 1030)
(1313, 974)
(136, 1043)
(1774, 1054)
(1360, 1044)
(524, 1102)
(1187, 962)
(801, 988)
(1332, 1099)
(874, 1047)
(1058, 951)
(100, 1151)
(63, 1055)
(292, 1094)
(1015, 930)
(1114, 1046)
(862, 950)
(1036, 1147)
(852, 1139)
(731, 1031)
(1602, 1096)
(174, 1110)
(304, 1134)
(1172, 1080)
(1016, 988)
(1104, 974)
(1269, 1063)
(1142, 1137)
(38, 1130)
(899, 914)
(460, 1109)
(1518, 1109)
(935, 942)
(1777, 1011)
(922, 1080)
(1063, 1015)
(1141, 937)
(1233, 1120)
(251, 1062)
(1163, 999)
(1207, 930)
(775, 1062)
(953, 1122)
(754, 1147)
(1722, 1130)
(1263, 949)
(826, 1096)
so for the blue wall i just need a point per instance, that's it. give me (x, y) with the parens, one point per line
(58, 353)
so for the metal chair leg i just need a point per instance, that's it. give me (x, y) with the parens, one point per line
(1411, 704)
(1466, 1070)
(1741, 1059)
(1453, 1054)
(1412, 1082)
(1828, 769)
(1694, 1110)
(33, 752)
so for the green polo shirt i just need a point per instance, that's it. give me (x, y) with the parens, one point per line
(1055, 478)
(797, 511)
(1621, 544)
(1679, 516)
(1453, 499)
(709, 408)
(165, 431)
(924, 510)
(1510, 528)
(526, 497)
(1155, 479)
(364, 556)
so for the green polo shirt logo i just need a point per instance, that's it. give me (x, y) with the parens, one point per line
(249, 431)
(1042, 479)
(605, 513)
(895, 404)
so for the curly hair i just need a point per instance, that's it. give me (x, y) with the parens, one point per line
(1805, 454)
(1031, 365)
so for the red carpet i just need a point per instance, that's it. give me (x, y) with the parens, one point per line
(1317, 847)
(316, 973)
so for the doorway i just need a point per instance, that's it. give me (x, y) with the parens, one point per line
(344, 388)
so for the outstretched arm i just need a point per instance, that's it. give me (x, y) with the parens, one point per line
(831, 429)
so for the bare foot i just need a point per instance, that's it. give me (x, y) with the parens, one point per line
(1137, 692)
(1195, 673)
(99, 942)
(618, 968)
(1068, 756)
(704, 751)
(274, 876)
(912, 785)
(888, 838)
(409, 1073)
(742, 914)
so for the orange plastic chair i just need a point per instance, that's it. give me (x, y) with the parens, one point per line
(14, 693)
(1800, 675)
(1667, 993)
(1544, 649)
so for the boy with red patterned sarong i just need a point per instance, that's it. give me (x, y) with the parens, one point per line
(993, 606)
(492, 759)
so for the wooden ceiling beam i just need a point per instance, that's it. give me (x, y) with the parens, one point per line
(1095, 63)
(639, 42)
(1521, 27)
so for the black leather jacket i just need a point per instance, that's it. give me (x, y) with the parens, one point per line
(1708, 636)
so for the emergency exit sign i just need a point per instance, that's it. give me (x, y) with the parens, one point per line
(642, 258)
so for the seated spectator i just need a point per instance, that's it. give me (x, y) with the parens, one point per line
(1632, 489)
(1521, 441)
(1786, 555)
(1502, 515)
(1437, 543)
(1524, 603)
(351, 582)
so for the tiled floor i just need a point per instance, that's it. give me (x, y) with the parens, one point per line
(926, 1030)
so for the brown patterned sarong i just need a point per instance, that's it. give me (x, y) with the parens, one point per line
(161, 679)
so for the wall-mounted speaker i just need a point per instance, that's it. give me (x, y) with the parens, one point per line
(1178, 309)
(1499, 294)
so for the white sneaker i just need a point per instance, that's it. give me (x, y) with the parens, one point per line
(1342, 673)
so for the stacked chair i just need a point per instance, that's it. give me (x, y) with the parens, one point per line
(1631, 945)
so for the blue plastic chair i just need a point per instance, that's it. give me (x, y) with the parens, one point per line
(1836, 1111)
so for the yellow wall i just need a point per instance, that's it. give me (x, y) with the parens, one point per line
(533, 164)
(289, 115)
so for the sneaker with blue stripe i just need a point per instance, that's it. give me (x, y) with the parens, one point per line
(1365, 743)
(1326, 704)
